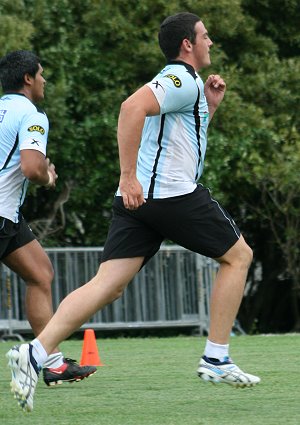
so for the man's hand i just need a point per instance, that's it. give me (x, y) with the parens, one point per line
(38, 169)
(214, 90)
(52, 174)
(132, 192)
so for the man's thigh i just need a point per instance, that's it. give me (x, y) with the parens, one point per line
(25, 256)
(129, 237)
(31, 263)
(13, 236)
(194, 221)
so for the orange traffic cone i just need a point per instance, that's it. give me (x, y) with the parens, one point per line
(90, 355)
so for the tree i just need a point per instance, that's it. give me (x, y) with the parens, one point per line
(16, 31)
(95, 53)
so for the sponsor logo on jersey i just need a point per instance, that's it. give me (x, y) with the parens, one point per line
(176, 80)
(2, 113)
(35, 142)
(157, 85)
(37, 128)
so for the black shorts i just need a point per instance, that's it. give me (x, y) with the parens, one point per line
(195, 221)
(13, 236)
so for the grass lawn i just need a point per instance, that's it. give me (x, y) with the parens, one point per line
(153, 381)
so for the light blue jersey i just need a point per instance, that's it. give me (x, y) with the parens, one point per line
(22, 126)
(173, 145)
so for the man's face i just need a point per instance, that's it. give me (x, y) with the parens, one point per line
(37, 87)
(201, 46)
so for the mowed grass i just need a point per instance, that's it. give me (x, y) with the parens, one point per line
(153, 381)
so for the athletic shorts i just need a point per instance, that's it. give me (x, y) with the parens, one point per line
(13, 235)
(195, 221)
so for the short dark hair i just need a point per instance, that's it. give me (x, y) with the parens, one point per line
(174, 30)
(13, 68)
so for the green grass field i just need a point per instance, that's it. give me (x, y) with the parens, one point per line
(152, 381)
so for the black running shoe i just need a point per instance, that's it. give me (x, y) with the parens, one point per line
(70, 371)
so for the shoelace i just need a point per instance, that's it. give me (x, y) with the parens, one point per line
(68, 360)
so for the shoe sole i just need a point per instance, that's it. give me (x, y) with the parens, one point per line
(216, 380)
(12, 357)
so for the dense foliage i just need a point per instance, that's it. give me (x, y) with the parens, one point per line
(95, 53)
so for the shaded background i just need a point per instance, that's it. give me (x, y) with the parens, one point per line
(95, 53)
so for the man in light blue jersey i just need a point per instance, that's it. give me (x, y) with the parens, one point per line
(162, 140)
(23, 140)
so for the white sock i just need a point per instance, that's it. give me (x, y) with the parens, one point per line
(54, 360)
(39, 352)
(216, 351)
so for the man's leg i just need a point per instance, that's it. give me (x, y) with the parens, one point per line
(33, 265)
(109, 283)
(25, 360)
(228, 290)
(215, 366)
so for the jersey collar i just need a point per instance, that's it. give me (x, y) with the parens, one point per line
(14, 93)
(189, 67)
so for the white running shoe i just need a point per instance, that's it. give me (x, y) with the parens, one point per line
(24, 375)
(225, 372)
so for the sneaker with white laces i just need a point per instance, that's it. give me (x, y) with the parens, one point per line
(225, 372)
(24, 375)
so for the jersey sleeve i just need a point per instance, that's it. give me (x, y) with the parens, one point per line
(33, 133)
(174, 94)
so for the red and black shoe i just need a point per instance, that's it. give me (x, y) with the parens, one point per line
(70, 371)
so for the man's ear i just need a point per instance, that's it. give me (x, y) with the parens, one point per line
(186, 45)
(28, 79)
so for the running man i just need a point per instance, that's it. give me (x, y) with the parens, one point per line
(23, 139)
(162, 140)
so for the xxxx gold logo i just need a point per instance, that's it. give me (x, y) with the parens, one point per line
(176, 80)
(37, 128)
